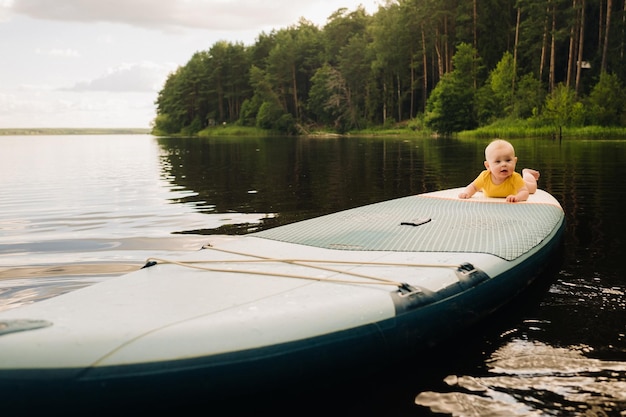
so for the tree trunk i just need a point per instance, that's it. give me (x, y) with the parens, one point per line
(440, 68)
(544, 46)
(552, 51)
(581, 39)
(446, 36)
(412, 105)
(475, 24)
(220, 100)
(399, 97)
(384, 102)
(621, 52)
(609, 5)
(517, 23)
(295, 92)
(600, 23)
(425, 64)
(572, 41)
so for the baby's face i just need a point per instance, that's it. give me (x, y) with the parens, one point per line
(501, 162)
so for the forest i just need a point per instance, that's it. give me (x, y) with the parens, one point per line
(443, 66)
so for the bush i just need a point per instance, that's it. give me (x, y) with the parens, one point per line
(268, 114)
(606, 101)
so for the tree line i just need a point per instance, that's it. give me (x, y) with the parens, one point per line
(444, 65)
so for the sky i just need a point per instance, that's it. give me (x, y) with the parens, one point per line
(101, 64)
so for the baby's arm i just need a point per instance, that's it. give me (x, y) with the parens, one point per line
(522, 195)
(469, 191)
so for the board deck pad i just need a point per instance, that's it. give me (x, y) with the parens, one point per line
(505, 230)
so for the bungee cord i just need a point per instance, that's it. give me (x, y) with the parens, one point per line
(309, 263)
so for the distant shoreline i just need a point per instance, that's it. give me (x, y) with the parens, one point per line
(73, 131)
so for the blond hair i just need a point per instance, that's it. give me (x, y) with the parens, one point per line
(497, 143)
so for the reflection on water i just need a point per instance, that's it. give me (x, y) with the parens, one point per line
(602, 298)
(580, 372)
(532, 378)
(299, 178)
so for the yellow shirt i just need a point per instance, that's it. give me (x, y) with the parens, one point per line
(510, 186)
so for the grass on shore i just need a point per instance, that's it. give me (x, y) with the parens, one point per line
(523, 129)
(501, 129)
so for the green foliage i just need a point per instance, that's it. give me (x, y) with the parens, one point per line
(417, 124)
(450, 107)
(562, 108)
(286, 124)
(501, 82)
(606, 102)
(164, 124)
(467, 65)
(249, 110)
(193, 128)
(529, 97)
(268, 115)
(488, 108)
(330, 100)
(320, 103)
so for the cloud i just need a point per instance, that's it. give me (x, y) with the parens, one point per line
(67, 52)
(136, 77)
(220, 15)
(96, 63)
(66, 109)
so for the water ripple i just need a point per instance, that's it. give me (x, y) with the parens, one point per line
(535, 379)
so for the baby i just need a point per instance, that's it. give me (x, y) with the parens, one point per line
(500, 179)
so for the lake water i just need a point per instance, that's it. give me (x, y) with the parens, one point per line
(76, 210)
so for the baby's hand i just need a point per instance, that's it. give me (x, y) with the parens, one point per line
(464, 195)
(511, 198)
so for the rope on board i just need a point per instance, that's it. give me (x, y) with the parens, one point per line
(310, 263)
